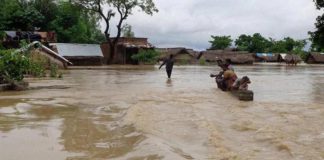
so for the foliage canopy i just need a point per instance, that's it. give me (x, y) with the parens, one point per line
(220, 42)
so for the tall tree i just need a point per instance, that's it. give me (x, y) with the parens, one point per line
(255, 43)
(317, 37)
(220, 42)
(75, 25)
(124, 9)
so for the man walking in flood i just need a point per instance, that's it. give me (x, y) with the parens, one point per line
(168, 65)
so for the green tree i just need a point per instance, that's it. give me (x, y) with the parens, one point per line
(278, 47)
(71, 22)
(243, 43)
(317, 37)
(220, 42)
(26, 20)
(49, 9)
(287, 45)
(124, 9)
(253, 44)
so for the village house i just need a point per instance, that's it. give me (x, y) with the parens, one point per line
(181, 55)
(315, 58)
(235, 57)
(125, 49)
(80, 54)
(290, 58)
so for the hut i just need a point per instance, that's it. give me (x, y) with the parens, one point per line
(80, 54)
(126, 47)
(315, 58)
(236, 57)
(290, 58)
(181, 55)
(267, 57)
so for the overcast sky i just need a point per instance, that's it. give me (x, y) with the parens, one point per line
(190, 23)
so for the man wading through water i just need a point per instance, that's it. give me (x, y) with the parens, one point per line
(168, 65)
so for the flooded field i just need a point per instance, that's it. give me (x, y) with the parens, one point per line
(137, 114)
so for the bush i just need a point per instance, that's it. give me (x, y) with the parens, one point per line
(38, 65)
(53, 70)
(202, 61)
(13, 65)
(147, 56)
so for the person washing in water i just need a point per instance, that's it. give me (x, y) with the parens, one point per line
(168, 65)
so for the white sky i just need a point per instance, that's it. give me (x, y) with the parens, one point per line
(190, 23)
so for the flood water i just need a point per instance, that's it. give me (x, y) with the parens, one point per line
(137, 114)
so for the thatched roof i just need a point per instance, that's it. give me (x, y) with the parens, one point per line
(234, 57)
(166, 52)
(194, 53)
(315, 58)
(291, 58)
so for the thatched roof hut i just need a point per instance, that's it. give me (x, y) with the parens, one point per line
(238, 57)
(315, 58)
(267, 57)
(291, 58)
(181, 55)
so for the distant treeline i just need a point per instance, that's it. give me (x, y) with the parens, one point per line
(71, 23)
(256, 43)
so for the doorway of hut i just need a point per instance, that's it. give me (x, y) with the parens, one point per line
(129, 53)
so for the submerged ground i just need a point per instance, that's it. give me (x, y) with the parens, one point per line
(136, 114)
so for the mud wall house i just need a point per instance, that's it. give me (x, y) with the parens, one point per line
(181, 55)
(236, 57)
(315, 58)
(125, 49)
(267, 57)
(80, 54)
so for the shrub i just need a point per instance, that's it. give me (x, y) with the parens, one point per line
(147, 56)
(38, 64)
(202, 61)
(53, 70)
(13, 65)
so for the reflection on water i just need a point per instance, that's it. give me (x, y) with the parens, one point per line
(169, 83)
(137, 114)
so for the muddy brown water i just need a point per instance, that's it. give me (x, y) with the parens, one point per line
(137, 114)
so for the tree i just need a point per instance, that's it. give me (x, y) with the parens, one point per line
(243, 42)
(49, 9)
(253, 44)
(317, 37)
(220, 42)
(124, 9)
(127, 31)
(278, 47)
(70, 22)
